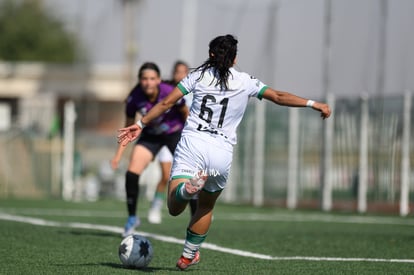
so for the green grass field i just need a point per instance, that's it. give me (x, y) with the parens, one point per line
(57, 237)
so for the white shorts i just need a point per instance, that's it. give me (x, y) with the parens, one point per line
(194, 154)
(164, 155)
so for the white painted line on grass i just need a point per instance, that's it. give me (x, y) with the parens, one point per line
(319, 218)
(116, 229)
(270, 217)
(64, 212)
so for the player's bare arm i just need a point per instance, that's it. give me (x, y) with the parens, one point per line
(120, 150)
(291, 100)
(162, 106)
(132, 132)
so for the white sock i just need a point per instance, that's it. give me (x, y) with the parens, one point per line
(190, 249)
(192, 243)
(157, 203)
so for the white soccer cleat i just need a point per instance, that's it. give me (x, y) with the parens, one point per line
(154, 216)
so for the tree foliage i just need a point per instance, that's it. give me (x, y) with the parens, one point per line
(30, 33)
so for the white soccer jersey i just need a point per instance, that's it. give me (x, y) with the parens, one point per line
(217, 112)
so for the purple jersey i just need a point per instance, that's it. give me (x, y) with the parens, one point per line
(169, 122)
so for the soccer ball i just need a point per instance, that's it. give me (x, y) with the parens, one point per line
(135, 251)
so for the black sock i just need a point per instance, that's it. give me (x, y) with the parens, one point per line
(132, 192)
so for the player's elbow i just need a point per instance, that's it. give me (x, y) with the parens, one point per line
(165, 104)
(282, 98)
(273, 96)
(276, 97)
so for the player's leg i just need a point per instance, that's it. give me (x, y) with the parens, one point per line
(176, 204)
(140, 158)
(201, 220)
(182, 189)
(193, 206)
(197, 229)
(218, 163)
(165, 159)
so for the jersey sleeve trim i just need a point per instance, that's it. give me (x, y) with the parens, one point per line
(261, 92)
(182, 89)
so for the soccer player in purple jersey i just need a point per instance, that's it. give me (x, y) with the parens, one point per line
(163, 131)
(179, 71)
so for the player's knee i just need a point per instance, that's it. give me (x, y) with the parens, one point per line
(175, 207)
(173, 211)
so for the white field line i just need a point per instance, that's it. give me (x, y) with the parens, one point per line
(272, 217)
(64, 212)
(116, 229)
(321, 218)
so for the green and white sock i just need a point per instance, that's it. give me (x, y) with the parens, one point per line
(192, 243)
(181, 194)
(158, 200)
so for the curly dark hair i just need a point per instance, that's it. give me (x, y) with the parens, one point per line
(222, 52)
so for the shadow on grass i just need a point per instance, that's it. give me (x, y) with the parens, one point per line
(93, 233)
(146, 269)
(122, 267)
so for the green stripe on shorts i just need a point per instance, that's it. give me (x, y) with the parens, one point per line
(181, 177)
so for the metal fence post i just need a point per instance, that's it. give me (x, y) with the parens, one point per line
(292, 196)
(405, 156)
(68, 150)
(363, 157)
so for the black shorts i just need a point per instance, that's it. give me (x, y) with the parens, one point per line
(155, 142)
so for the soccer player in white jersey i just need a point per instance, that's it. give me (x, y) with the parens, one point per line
(203, 155)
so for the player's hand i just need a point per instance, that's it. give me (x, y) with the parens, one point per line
(128, 134)
(323, 108)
